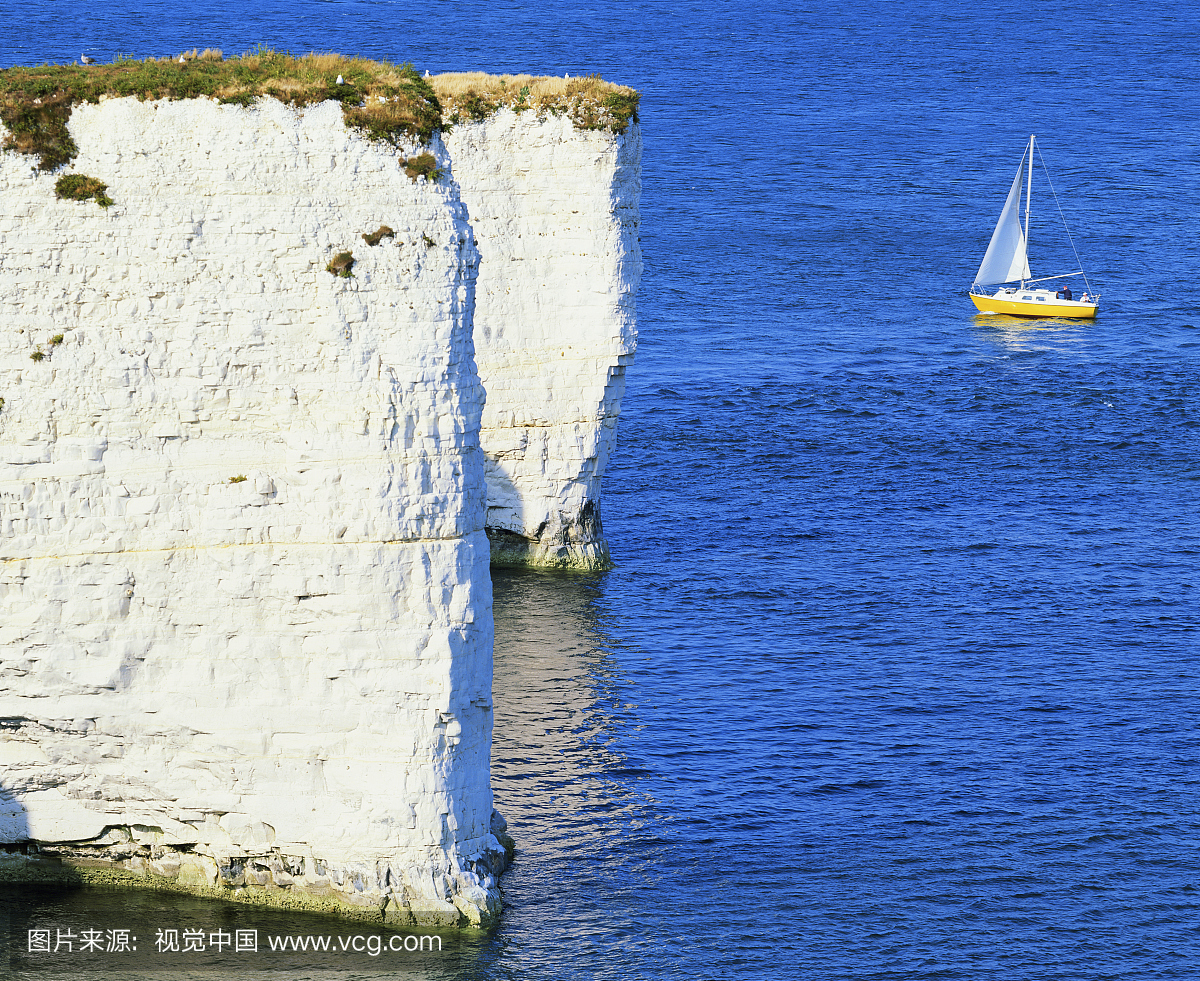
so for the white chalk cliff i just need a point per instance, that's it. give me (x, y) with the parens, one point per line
(555, 214)
(245, 606)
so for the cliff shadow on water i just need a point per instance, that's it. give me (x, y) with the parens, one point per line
(21, 861)
(561, 773)
(25, 877)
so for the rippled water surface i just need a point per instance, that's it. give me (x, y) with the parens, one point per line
(895, 677)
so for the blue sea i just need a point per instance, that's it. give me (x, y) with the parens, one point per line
(895, 677)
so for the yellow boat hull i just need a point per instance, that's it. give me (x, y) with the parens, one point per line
(1033, 303)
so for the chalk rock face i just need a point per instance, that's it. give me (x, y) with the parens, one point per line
(555, 213)
(245, 608)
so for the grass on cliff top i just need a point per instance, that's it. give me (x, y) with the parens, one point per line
(383, 99)
(589, 101)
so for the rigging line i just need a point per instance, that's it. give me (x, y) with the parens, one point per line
(1066, 228)
(1046, 279)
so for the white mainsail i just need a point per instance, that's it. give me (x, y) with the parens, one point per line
(1006, 259)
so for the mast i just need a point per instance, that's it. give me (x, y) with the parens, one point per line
(1028, 194)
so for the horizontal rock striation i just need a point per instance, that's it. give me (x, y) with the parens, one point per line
(245, 609)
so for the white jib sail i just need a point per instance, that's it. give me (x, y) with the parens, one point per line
(1006, 259)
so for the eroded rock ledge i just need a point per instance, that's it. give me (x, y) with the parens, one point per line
(202, 858)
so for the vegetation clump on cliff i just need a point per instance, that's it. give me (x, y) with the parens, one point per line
(386, 101)
(77, 187)
(589, 101)
(423, 165)
(375, 237)
(342, 265)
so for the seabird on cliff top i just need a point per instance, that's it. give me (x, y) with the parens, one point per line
(341, 81)
(85, 60)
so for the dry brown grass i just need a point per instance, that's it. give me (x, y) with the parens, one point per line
(542, 88)
(589, 101)
(287, 86)
(208, 54)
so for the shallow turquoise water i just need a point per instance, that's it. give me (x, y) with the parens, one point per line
(895, 675)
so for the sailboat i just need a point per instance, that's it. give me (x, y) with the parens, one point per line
(1007, 261)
